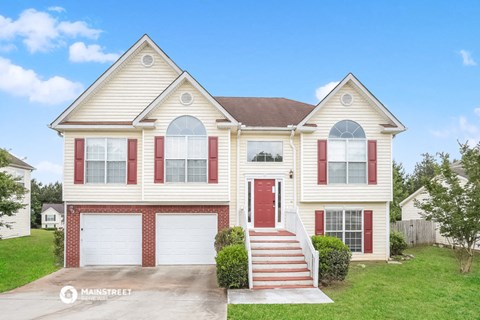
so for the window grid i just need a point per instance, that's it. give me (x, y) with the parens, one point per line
(347, 171)
(106, 160)
(347, 225)
(186, 158)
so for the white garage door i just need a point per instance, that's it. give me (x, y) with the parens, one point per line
(111, 239)
(186, 239)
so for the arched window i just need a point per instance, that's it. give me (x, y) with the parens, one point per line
(347, 153)
(186, 150)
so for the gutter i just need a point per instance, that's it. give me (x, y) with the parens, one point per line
(294, 150)
(239, 132)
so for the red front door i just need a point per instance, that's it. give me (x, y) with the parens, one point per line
(264, 203)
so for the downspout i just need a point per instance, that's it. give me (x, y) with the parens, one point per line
(294, 150)
(239, 132)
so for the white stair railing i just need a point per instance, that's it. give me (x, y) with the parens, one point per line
(244, 224)
(294, 224)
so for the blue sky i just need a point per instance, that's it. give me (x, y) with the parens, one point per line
(420, 58)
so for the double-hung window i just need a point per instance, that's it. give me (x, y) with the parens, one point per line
(347, 153)
(347, 225)
(106, 160)
(186, 150)
(49, 217)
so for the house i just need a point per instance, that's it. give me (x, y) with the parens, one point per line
(411, 212)
(20, 221)
(52, 215)
(155, 166)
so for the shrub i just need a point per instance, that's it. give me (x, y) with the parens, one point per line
(232, 267)
(334, 258)
(397, 243)
(229, 236)
(58, 236)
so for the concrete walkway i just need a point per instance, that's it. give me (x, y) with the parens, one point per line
(278, 296)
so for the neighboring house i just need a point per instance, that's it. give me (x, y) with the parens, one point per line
(20, 221)
(52, 215)
(155, 166)
(411, 212)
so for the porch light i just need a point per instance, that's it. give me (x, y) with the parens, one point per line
(291, 174)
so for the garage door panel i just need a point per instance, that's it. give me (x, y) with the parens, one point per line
(186, 239)
(111, 239)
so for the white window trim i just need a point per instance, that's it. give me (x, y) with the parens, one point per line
(263, 140)
(347, 140)
(186, 160)
(106, 161)
(343, 224)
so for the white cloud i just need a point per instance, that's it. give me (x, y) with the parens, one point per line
(467, 58)
(47, 172)
(22, 82)
(41, 31)
(477, 111)
(79, 52)
(56, 9)
(324, 90)
(7, 47)
(460, 129)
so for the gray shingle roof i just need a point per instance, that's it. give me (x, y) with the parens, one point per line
(59, 207)
(15, 162)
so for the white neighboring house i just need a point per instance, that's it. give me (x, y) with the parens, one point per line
(410, 212)
(19, 222)
(52, 215)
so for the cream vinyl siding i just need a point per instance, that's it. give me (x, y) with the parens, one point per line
(99, 192)
(260, 170)
(183, 192)
(20, 222)
(233, 182)
(370, 119)
(307, 214)
(128, 91)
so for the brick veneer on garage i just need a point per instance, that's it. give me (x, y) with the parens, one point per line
(148, 225)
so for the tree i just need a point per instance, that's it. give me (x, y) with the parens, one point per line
(49, 193)
(400, 191)
(424, 171)
(11, 191)
(456, 205)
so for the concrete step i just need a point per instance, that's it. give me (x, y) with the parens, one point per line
(279, 265)
(276, 251)
(285, 281)
(281, 287)
(281, 273)
(277, 257)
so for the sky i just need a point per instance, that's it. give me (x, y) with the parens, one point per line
(420, 58)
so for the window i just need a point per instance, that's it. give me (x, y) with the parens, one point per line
(279, 201)
(106, 160)
(347, 153)
(346, 224)
(186, 150)
(50, 217)
(265, 151)
(19, 175)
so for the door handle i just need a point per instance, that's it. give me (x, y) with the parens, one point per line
(274, 203)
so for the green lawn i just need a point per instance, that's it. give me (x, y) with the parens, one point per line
(25, 259)
(427, 287)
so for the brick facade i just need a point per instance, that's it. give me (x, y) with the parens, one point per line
(148, 212)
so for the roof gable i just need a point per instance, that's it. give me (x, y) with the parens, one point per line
(18, 163)
(59, 207)
(395, 126)
(142, 118)
(90, 91)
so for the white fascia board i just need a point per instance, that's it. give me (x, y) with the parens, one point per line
(144, 40)
(96, 127)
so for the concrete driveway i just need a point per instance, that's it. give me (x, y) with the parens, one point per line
(167, 292)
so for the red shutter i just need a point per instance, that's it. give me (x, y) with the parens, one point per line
(372, 161)
(212, 159)
(132, 162)
(159, 159)
(322, 161)
(367, 231)
(79, 161)
(319, 222)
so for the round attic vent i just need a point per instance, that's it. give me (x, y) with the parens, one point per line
(346, 99)
(147, 60)
(186, 98)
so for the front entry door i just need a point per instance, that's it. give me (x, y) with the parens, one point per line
(264, 203)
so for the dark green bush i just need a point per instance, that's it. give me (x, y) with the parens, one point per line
(397, 243)
(229, 236)
(58, 236)
(334, 258)
(232, 267)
